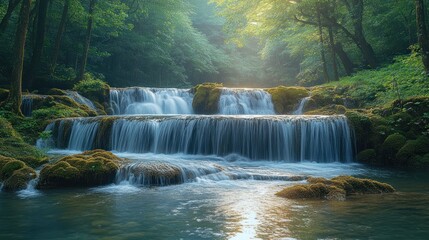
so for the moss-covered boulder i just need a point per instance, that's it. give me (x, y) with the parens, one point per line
(391, 146)
(286, 99)
(91, 168)
(337, 188)
(206, 98)
(12, 145)
(368, 156)
(412, 151)
(15, 174)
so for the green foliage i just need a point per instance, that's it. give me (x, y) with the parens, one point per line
(367, 156)
(12, 145)
(401, 80)
(93, 88)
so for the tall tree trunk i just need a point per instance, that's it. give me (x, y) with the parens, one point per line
(87, 40)
(15, 94)
(61, 29)
(422, 33)
(322, 49)
(5, 20)
(334, 55)
(356, 8)
(39, 43)
(345, 60)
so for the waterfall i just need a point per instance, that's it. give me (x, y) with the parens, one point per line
(245, 101)
(27, 105)
(129, 101)
(300, 109)
(280, 138)
(80, 99)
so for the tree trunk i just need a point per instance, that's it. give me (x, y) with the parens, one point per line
(334, 56)
(345, 60)
(356, 8)
(322, 50)
(15, 94)
(87, 40)
(5, 20)
(422, 33)
(59, 36)
(39, 43)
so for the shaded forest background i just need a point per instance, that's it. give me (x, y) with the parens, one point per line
(173, 43)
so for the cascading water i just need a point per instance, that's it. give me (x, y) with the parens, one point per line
(301, 106)
(27, 105)
(80, 99)
(280, 138)
(245, 101)
(129, 101)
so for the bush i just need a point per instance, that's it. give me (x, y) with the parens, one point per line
(93, 88)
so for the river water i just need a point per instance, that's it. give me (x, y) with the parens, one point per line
(215, 208)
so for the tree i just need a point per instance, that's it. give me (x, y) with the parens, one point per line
(87, 41)
(15, 94)
(39, 43)
(59, 36)
(422, 33)
(5, 20)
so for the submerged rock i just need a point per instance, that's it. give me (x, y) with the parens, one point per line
(15, 174)
(337, 188)
(91, 168)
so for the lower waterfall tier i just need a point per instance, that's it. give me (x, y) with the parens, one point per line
(279, 138)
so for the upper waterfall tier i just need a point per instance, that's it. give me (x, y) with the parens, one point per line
(151, 101)
(235, 101)
(280, 138)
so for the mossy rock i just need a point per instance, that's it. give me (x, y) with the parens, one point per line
(206, 98)
(8, 168)
(367, 156)
(411, 150)
(362, 125)
(15, 174)
(337, 188)
(328, 110)
(19, 179)
(13, 146)
(391, 146)
(286, 99)
(91, 168)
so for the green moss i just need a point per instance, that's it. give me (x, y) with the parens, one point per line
(13, 146)
(286, 99)
(391, 146)
(335, 189)
(15, 174)
(90, 168)
(420, 161)
(362, 125)
(8, 168)
(411, 150)
(328, 110)
(19, 179)
(206, 98)
(57, 91)
(367, 156)
(93, 88)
